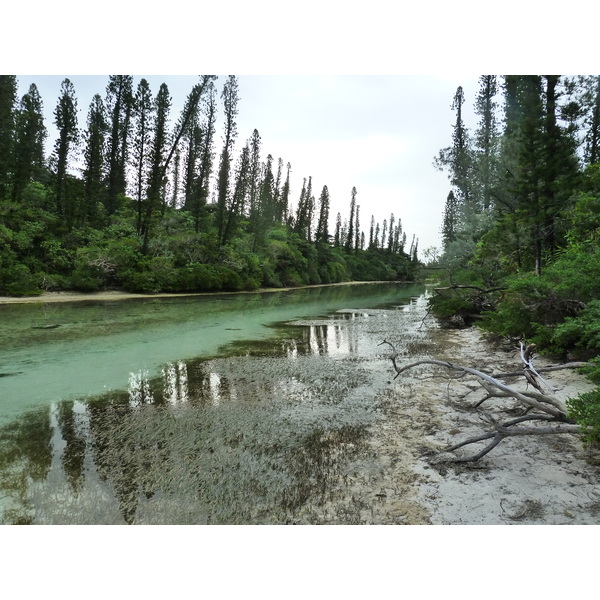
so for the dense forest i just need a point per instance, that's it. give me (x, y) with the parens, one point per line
(521, 225)
(127, 201)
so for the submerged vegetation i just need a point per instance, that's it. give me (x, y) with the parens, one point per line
(522, 220)
(127, 202)
(261, 431)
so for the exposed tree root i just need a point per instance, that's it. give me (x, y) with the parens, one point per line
(548, 407)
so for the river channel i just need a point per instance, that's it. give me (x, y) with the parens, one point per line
(216, 409)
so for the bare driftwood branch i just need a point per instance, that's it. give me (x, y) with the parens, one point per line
(571, 365)
(502, 431)
(548, 407)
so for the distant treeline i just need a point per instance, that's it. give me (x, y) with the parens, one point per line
(129, 202)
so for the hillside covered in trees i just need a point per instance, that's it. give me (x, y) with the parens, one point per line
(127, 201)
(521, 227)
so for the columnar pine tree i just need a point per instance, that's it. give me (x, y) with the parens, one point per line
(8, 97)
(119, 102)
(277, 191)
(561, 167)
(143, 119)
(235, 209)
(457, 159)
(94, 157)
(200, 198)
(322, 233)
(158, 161)
(397, 233)
(350, 237)
(193, 154)
(28, 149)
(310, 210)
(543, 161)
(391, 234)
(357, 230)
(264, 214)
(188, 119)
(486, 138)
(176, 180)
(305, 210)
(450, 220)
(254, 145)
(267, 193)
(65, 119)
(230, 99)
(284, 199)
(337, 238)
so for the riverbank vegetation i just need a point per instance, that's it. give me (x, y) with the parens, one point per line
(128, 202)
(521, 227)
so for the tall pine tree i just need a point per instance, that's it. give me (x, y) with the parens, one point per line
(65, 119)
(28, 149)
(144, 108)
(119, 103)
(230, 97)
(8, 97)
(94, 157)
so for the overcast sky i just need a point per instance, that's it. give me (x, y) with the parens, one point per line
(350, 94)
(378, 133)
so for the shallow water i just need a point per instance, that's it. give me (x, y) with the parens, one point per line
(213, 409)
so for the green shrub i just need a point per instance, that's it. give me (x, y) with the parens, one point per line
(585, 410)
(581, 332)
(456, 310)
(17, 280)
(86, 278)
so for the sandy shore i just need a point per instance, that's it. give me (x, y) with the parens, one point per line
(402, 474)
(524, 480)
(71, 296)
(51, 297)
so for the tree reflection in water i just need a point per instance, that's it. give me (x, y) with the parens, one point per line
(245, 438)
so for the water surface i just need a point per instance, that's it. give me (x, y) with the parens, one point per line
(213, 409)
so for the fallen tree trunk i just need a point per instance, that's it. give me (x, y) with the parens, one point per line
(550, 409)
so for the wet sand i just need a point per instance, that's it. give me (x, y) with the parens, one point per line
(524, 480)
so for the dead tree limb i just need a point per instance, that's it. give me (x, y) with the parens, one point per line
(548, 407)
(502, 431)
(571, 365)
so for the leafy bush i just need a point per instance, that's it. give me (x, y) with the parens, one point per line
(581, 332)
(17, 280)
(456, 310)
(86, 278)
(585, 410)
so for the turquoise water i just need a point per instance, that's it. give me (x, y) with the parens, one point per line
(52, 352)
(91, 397)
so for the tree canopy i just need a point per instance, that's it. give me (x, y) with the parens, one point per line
(136, 199)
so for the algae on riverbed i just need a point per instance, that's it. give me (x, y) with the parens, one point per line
(268, 433)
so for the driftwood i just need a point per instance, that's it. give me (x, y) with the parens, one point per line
(549, 409)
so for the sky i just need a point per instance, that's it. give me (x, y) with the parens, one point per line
(377, 133)
(352, 95)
